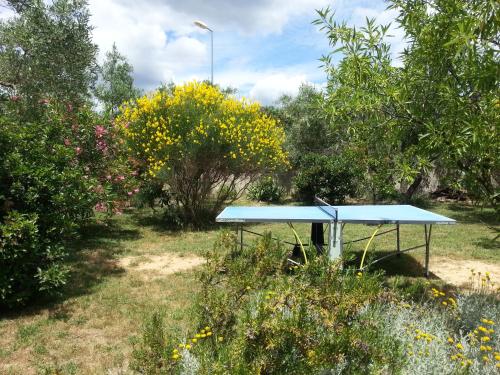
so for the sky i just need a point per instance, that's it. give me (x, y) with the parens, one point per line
(262, 48)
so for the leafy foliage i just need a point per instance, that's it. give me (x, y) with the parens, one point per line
(362, 96)
(29, 262)
(331, 178)
(306, 124)
(47, 51)
(437, 112)
(53, 172)
(266, 189)
(116, 84)
(150, 356)
(256, 314)
(201, 143)
(451, 87)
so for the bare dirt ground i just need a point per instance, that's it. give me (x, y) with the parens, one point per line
(458, 272)
(153, 266)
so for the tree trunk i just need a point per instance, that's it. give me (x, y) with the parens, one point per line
(414, 186)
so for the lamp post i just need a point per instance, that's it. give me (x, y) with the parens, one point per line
(204, 26)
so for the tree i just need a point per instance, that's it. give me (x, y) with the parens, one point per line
(438, 112)
(305, 122)
(46, 51)
(362, 100)
(205, 146)
(116, 84)
(451, 89)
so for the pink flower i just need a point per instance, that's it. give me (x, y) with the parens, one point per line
(135, 173)
(102, 146)
(120, 178)
(108, 177)
(67, 142)
(100, 131)
(136, 190)
(78, 150)
(100, 207)
(43, 101)
(129, 193)
(15, 98)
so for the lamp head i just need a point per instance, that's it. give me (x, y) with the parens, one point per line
(202, 25)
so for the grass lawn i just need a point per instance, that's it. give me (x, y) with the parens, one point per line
(91, 328)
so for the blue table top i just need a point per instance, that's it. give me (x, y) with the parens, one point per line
(362, 214)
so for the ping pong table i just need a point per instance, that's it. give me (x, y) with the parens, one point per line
(336, 217)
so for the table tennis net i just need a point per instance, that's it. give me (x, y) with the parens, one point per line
(327, 208)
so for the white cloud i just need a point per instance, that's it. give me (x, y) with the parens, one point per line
(249, 17)
(270, 88)
(160, 41)
(267, 86)
(5, 12)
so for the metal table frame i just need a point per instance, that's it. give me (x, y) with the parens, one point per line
(335, 228)
(332, 254)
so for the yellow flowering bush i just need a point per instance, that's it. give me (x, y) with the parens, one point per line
(202, 143)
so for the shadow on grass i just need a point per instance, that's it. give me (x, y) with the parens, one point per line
(472, 214)
(92, 258)
(398, 265)
(488, 243)
(94, 255)
(161, 222)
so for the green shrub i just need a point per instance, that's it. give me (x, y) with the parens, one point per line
(444, 339)
(202, 144)
(255, 314)
(56, 166)
(28, 264)
(150, 356)
(333, 178)
(266, 189)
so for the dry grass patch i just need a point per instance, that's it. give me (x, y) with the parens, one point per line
(152, 266)
(458, 271)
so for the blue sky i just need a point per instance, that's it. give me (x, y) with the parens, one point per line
(263, 48)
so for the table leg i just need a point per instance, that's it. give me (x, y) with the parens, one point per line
(398, 246)
(427, 247)
(241, 238)
(335, 240)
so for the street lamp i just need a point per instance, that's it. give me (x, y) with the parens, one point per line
(204, 26)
